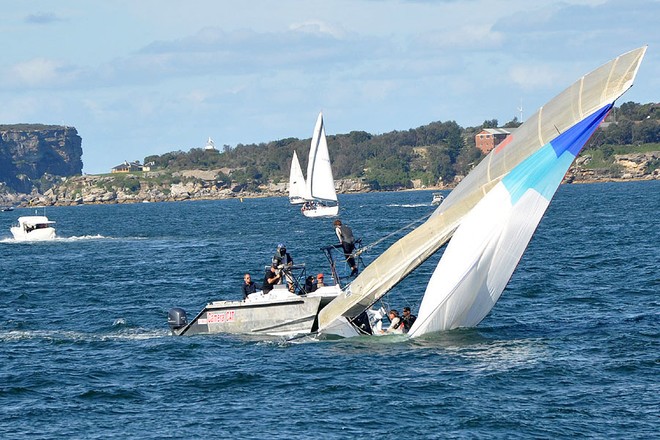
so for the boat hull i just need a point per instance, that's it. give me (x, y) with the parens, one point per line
(281, 317)
(321, 211)
(35, 235)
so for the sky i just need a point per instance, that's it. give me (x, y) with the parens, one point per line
(138, 78)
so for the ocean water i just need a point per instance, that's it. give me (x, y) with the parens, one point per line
(572, 349)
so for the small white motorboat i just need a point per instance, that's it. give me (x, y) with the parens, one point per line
(33, 228)
(437, 198)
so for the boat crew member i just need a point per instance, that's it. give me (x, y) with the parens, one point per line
(319, 281)
(249, 286)
(347, 241)
(407, 320)
(310, 285)
(284, 259)
(273, 276)
(395, 322)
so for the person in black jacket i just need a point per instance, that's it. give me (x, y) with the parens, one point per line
(347, 241)
(272, 276)
(284, 262)
(407, 319)
(249, 286)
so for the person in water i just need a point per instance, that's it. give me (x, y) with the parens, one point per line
(347, 241)
(249, 286)
(407, 320)
(273, 276)
(284, 262)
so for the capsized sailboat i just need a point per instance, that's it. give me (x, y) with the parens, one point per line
(321, 197)
(297, 184)
(475, 277)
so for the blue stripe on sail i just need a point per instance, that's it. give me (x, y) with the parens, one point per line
(544, 170)
(573, 139)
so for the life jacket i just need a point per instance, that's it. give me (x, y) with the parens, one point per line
(346, 234)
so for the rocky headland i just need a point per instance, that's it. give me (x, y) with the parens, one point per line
(35, 155)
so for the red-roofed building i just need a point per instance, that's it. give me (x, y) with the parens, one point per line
(489, 138)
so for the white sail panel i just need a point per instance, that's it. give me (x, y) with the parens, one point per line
(487, 246)
(297, 184)
(478, 262)
(589, 93)
(320, 182)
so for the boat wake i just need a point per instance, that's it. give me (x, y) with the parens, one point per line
(134, 334)
(58, 239)
(408, 205)
(85, 237)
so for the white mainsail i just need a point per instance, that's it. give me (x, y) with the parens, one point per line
(589, 94)
(320, 182)
(297, 184)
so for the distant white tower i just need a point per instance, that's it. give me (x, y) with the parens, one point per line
(520, 109)
(210, 146)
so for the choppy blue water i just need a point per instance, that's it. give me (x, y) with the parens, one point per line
(571, 349)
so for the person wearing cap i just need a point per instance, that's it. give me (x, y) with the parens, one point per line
(284, 262)
(273, 276)
(319, 280)
(407, 320)
(347, 241)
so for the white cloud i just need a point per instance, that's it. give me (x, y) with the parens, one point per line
(40, 72)
(319, 27)
(538, 76)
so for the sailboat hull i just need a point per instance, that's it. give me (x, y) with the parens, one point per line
(321, 211)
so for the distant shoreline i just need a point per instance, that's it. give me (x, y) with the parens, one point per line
(52, 198)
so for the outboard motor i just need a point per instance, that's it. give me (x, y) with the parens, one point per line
(176, 318)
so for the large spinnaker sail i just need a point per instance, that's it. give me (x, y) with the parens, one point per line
(590, 93)
(320, 182)
(297, 184)
(487, 246)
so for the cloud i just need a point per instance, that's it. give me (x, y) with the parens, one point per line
(537, 76)
(42, 18)
(471, 36)
(40, 72)
(319, 27)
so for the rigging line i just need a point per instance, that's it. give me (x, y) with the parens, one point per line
(377, 242)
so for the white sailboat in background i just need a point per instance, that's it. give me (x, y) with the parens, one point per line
(297, 184)
(321, 197)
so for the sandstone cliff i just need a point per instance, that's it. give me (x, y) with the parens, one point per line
(34, 155)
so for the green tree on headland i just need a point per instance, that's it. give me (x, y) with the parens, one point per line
(435, 152)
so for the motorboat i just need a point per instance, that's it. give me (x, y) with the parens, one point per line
(33, 228)
(276, 313)
(437, 198)
(6, 208)
(279, 312)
